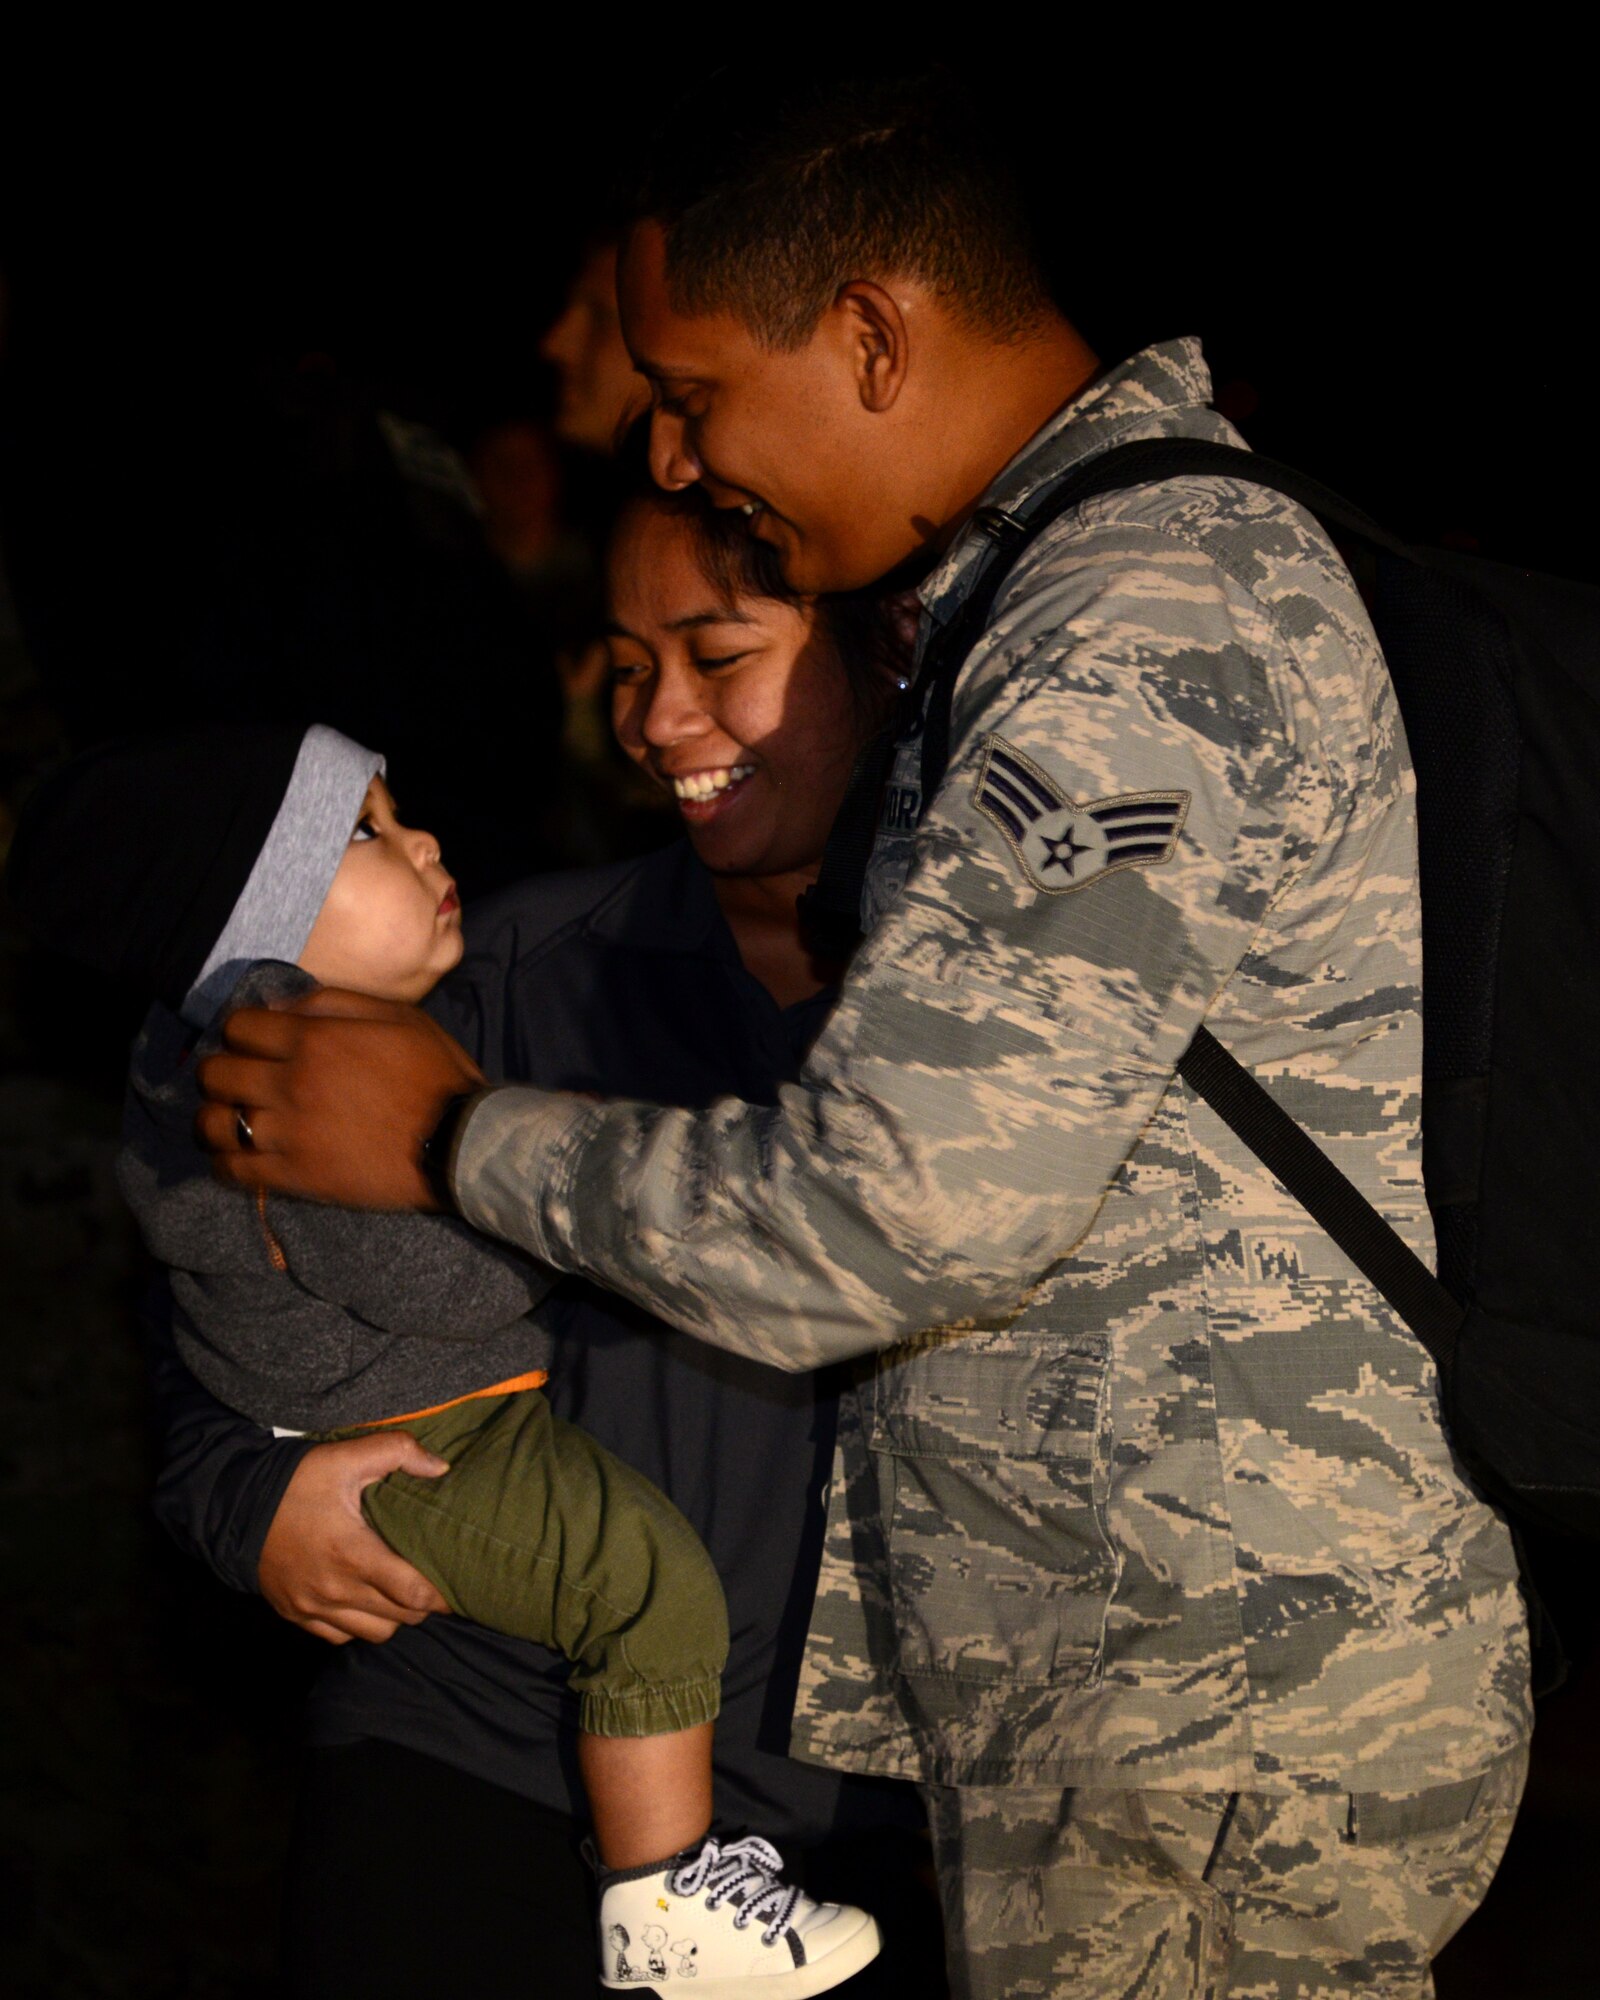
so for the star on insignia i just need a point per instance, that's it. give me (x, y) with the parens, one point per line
(1063, 853)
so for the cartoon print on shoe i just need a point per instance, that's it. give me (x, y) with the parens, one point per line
(618, 1939)
(757, 1937)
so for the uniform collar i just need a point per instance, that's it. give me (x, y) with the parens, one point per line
(1140, 398)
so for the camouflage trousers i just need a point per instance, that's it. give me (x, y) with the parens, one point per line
(1105, 1895)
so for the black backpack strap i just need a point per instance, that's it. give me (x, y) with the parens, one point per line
(1244, 1105)
(1149, 459)
(832, 909)
(1332, 1201)
(1142, 463)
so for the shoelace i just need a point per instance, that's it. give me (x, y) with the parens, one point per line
(752, 1864)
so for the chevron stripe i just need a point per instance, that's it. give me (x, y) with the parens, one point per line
(990, 801)
(1004, 766)
(1138, 829)
(996, 784)
(1141, 829)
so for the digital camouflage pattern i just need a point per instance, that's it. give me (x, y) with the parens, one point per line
(1146, 1486)
(1156, 1895)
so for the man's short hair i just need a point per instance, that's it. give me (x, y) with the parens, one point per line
(767, 213)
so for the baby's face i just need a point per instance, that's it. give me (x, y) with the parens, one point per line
(391, 925)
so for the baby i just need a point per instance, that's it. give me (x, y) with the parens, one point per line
(245, 865)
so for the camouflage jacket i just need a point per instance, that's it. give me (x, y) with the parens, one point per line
(1145, 1485)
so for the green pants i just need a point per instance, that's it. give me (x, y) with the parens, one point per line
(537, 1531)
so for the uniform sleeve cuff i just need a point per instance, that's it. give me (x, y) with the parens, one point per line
(511, 1167)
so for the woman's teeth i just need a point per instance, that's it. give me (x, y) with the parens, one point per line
(707, 784)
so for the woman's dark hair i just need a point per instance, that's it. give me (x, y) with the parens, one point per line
(869, 637)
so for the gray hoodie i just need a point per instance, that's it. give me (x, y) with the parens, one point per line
(371, 1315)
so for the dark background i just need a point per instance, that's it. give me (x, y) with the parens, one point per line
(207, 298)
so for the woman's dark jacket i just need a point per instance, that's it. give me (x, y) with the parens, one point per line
(621, 980)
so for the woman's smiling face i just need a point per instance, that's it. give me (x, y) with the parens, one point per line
(740, 707)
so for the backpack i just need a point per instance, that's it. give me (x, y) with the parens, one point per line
(1497, 673)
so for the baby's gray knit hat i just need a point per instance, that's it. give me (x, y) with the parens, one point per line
(294, 871)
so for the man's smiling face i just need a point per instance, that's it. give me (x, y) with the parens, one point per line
(786, 435)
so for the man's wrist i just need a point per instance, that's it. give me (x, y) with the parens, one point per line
(514, 1165)
(440, 1147)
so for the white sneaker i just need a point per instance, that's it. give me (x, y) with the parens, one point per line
(727, 1920)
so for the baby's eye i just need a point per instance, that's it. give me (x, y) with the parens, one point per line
(366, 828)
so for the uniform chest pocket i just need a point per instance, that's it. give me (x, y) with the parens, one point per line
(993, 1455)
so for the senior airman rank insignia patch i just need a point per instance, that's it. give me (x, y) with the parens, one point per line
(1061, 844)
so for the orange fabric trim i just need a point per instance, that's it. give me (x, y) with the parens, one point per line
(274, 1247)
(534, 1379)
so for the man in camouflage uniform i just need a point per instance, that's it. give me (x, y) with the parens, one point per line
(1146, 1554)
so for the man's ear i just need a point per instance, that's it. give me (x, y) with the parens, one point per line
(880, 344)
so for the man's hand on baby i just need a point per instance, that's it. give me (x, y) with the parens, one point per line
(331, 1098)
(322, 1567)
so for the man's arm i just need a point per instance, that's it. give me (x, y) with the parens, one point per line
(1005, 1032)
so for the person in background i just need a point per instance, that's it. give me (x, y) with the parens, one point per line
(545, 521)
(597, 807)
(682, 975)
(518, 476)
(600, 391)
(516, 472)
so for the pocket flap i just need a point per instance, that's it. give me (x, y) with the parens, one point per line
(989, 1395)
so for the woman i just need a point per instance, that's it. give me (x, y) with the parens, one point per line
(438, 1833)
